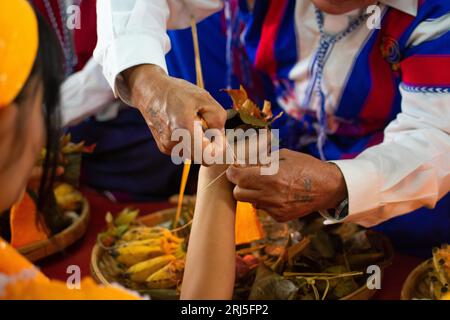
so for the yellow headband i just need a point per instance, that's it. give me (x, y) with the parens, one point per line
(19, 40)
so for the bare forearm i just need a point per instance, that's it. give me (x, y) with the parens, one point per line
(210, 263)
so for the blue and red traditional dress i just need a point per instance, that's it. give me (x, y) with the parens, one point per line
(360, 92)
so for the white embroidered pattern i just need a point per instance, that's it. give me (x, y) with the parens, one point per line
(422, 89)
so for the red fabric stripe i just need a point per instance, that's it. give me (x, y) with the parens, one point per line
(396, 23)
(86, 37)
(426, 70)
(379, 102)
(265, 55)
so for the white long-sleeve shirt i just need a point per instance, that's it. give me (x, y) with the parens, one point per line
(409, 170)
(86, 93)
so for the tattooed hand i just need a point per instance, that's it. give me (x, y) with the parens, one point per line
(303, 185)
(169, 103)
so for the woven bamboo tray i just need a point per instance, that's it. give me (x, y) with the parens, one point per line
(103, 273)
(415, 278)
(60, 241)
(101, 261)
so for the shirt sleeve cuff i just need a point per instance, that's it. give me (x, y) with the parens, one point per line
(129, 51)
(363, 187)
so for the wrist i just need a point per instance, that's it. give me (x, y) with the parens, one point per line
(339, 187)
(215, 177)
(213, 171)
(142, 80)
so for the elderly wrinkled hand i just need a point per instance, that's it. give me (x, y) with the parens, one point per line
(169, 103)
(303, 185)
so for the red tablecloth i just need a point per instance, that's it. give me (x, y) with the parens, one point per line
(79, 254)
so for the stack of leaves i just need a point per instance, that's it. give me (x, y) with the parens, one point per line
(313, 262)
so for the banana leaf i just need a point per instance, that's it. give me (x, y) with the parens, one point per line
(341, 287)
(312, 224)
(360, 260)
(346, 231)
(359, 242)
(269, 285)
(321, 242)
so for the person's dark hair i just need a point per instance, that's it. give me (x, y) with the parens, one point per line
(48, 67)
